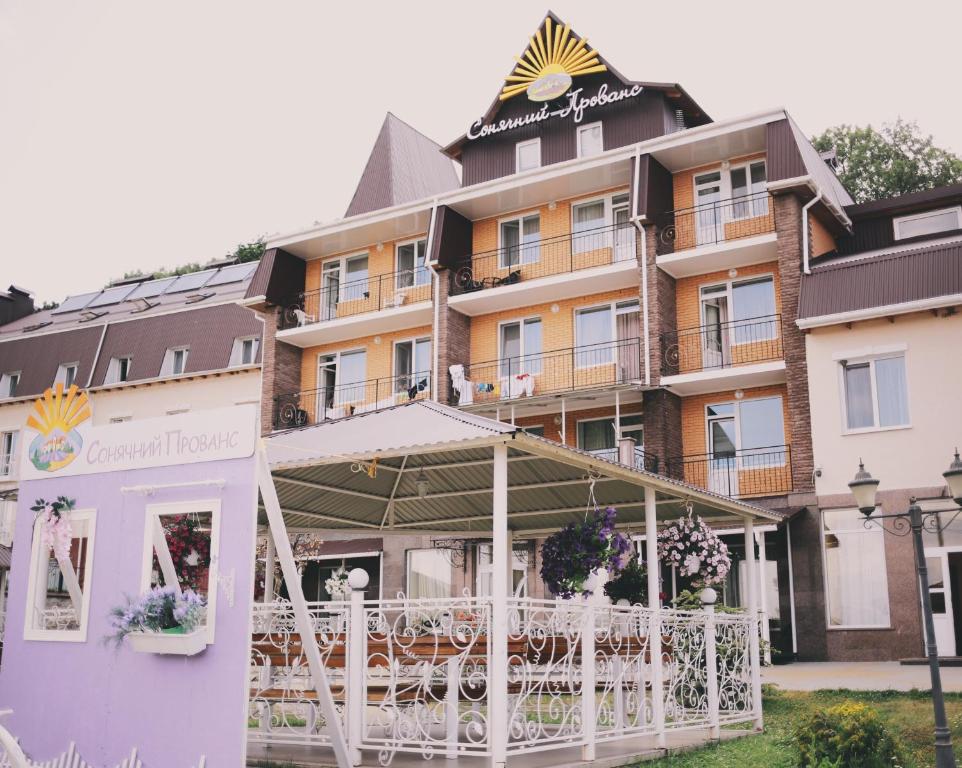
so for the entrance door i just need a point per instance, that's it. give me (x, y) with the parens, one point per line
(715, 346)
(326, 383)
(945, 573)
(624, 231)
(722, 464)
(709, 224)
(330, 286)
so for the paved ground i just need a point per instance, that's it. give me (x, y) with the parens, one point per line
(859, 676)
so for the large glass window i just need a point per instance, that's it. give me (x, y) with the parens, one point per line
(587, 221)
(412, 268)
(351, 374)
(753, 306)
(521, 347)
(593, 331)
(599, 436)
(762, 427)
(428, 574)
(856, 587)
(520, 241)
(356, 284)
(749, 190)
(412, 366)
(876, 393)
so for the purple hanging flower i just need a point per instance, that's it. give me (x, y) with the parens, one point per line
(570, 556)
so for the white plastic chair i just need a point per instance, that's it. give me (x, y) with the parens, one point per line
(395, 301)
(303, 318)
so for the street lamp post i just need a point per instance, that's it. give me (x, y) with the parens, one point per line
(913, 521)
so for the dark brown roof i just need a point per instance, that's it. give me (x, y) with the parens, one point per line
(37, 357)
(907, 203)
(882, 281)
(404, 165)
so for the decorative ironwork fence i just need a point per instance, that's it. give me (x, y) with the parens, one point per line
(722, 345)
(738, 474)
(716, 222)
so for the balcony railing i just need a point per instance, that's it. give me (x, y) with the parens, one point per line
(356, 297)
(716, 222)
(299, 409)
(745, 473)
(546, 256)
(592, 365)
(722, 345)
(643, 460)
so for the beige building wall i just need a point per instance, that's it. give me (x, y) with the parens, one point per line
(904, 457)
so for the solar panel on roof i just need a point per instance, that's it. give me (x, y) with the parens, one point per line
(233, 274)
(151, 288)
(190, 281)
(111, 296)
(73, 303)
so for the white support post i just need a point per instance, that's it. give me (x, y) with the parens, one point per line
(589, 714)
(751, 578)
(302, 617)
(269, 557)
(617, 415)
(357, 579)
(711, 662)
(763, 595)
(564, 421)
(618, 674)
(654, 603)
(498, 669)
(451, 707)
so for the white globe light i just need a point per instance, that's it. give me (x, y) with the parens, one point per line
(358, 578)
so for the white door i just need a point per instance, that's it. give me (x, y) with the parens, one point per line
(722, 464)
(940, 593)
(714, 336)
(709, 224)
(624, 234)
(330, 287)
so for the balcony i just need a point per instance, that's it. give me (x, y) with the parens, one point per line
(733, 354)
(313, 406)
(356, 308)
(511, 379)
(747, 473)
(717, 235)
(547, 269)
(643, 460)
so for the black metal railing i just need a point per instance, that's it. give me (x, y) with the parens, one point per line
(722, 345)
(592, 365)
(643, 460)
(739, 474)
(546, 256)
(356, 297)
(312, 406)
(717, 222)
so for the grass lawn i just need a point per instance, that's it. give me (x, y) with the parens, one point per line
(908, 715)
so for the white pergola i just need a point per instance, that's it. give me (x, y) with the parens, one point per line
(423, 467)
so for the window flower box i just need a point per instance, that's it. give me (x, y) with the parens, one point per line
(169, 642)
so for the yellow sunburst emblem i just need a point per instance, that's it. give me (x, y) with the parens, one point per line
(56, 417)
(550, 62)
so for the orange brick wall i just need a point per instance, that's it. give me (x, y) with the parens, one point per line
(381, 262)
(693, 432)
(552, 431)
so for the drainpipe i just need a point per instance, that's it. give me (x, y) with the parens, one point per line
(636, 220)
(809, 204)
(437, 304)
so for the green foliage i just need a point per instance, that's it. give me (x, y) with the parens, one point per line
(847, 735)
(893, 161)
(249, 251)
(631, 584)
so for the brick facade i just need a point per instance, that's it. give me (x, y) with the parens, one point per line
(452, 336)
(662, 311)
(281, 372)
(662, 420)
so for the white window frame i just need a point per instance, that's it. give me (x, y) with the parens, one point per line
(754, 205)
(519, 219)
(883, 576)
(738, 431)
(40, 559)
(237, 351)
(414, 274)
(623, 429)
(5, 381)
(613, 306)
(413, 341)
(152, 515)
(167, 367)
(725, 181)
(729, 294)
(337, 374)
(342, 276)
(609, 218)
(898, 220)
(407, 568)
(483, 569)
(113, 369)
(8, 461)
(900, 350)
(517, 154)
(520, 323)
(61, 377)
(583, 129)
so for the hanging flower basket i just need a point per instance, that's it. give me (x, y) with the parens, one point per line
(570, 557)
(692, 547)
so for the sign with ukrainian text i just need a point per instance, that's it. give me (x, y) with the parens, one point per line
(185, 438)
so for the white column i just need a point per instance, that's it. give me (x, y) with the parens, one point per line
(269, 569)
(498, 669)
(763, 595)
(357, 579)
(751, 579)
(708, 597)
(589, 714)
(654, 632)
(451, 673)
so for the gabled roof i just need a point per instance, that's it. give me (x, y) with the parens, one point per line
(404, 165)
(673, 91)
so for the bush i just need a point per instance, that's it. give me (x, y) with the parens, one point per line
(848, 735)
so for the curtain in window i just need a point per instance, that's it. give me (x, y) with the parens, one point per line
(893, 408)
(858, 396)
(356, 285)
(429, 574)
(530, 239)
(586, 220)
(855, 570)
(532, 347)
(353, 369)
(628, 328)
(510, 349)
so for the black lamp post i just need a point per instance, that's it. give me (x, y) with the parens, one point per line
(913, 521)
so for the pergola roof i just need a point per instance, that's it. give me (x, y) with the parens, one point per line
(361, 473)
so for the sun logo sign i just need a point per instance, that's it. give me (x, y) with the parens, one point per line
(550, 62)
(55, 418)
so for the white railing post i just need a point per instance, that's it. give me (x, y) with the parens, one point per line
(356, 647)
(708, 597)
(751, 577)
(763, 596)
(589, 715)
(498, 639)
(654, 629)
(451, 707)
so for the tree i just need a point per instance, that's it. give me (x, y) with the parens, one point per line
(251, 251)
(895, 160)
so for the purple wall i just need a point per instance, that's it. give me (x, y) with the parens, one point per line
(173, 709)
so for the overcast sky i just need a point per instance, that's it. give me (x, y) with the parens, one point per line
(140, 135)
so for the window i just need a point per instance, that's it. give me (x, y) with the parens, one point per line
(761, 426)
(599, 436)
(244, 352)
(412, 366)
(412, 267)
(9, 383)
(593, 334)
(175, 361)
(181, 548)
(737, 312)
(58, 591)
(521, 347)
(118, 370)
(749, 190)
(743, 436)
(535, 429)
(428, 574)
(519, 571)
(8, 448)
(351, 373)
(928, 223)
(597, 224)
(356, 286)
(876, 393)
(856, 587)
(66, 375)
(527, 155)
(344, 279)
(590, 140)
(520, 241)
